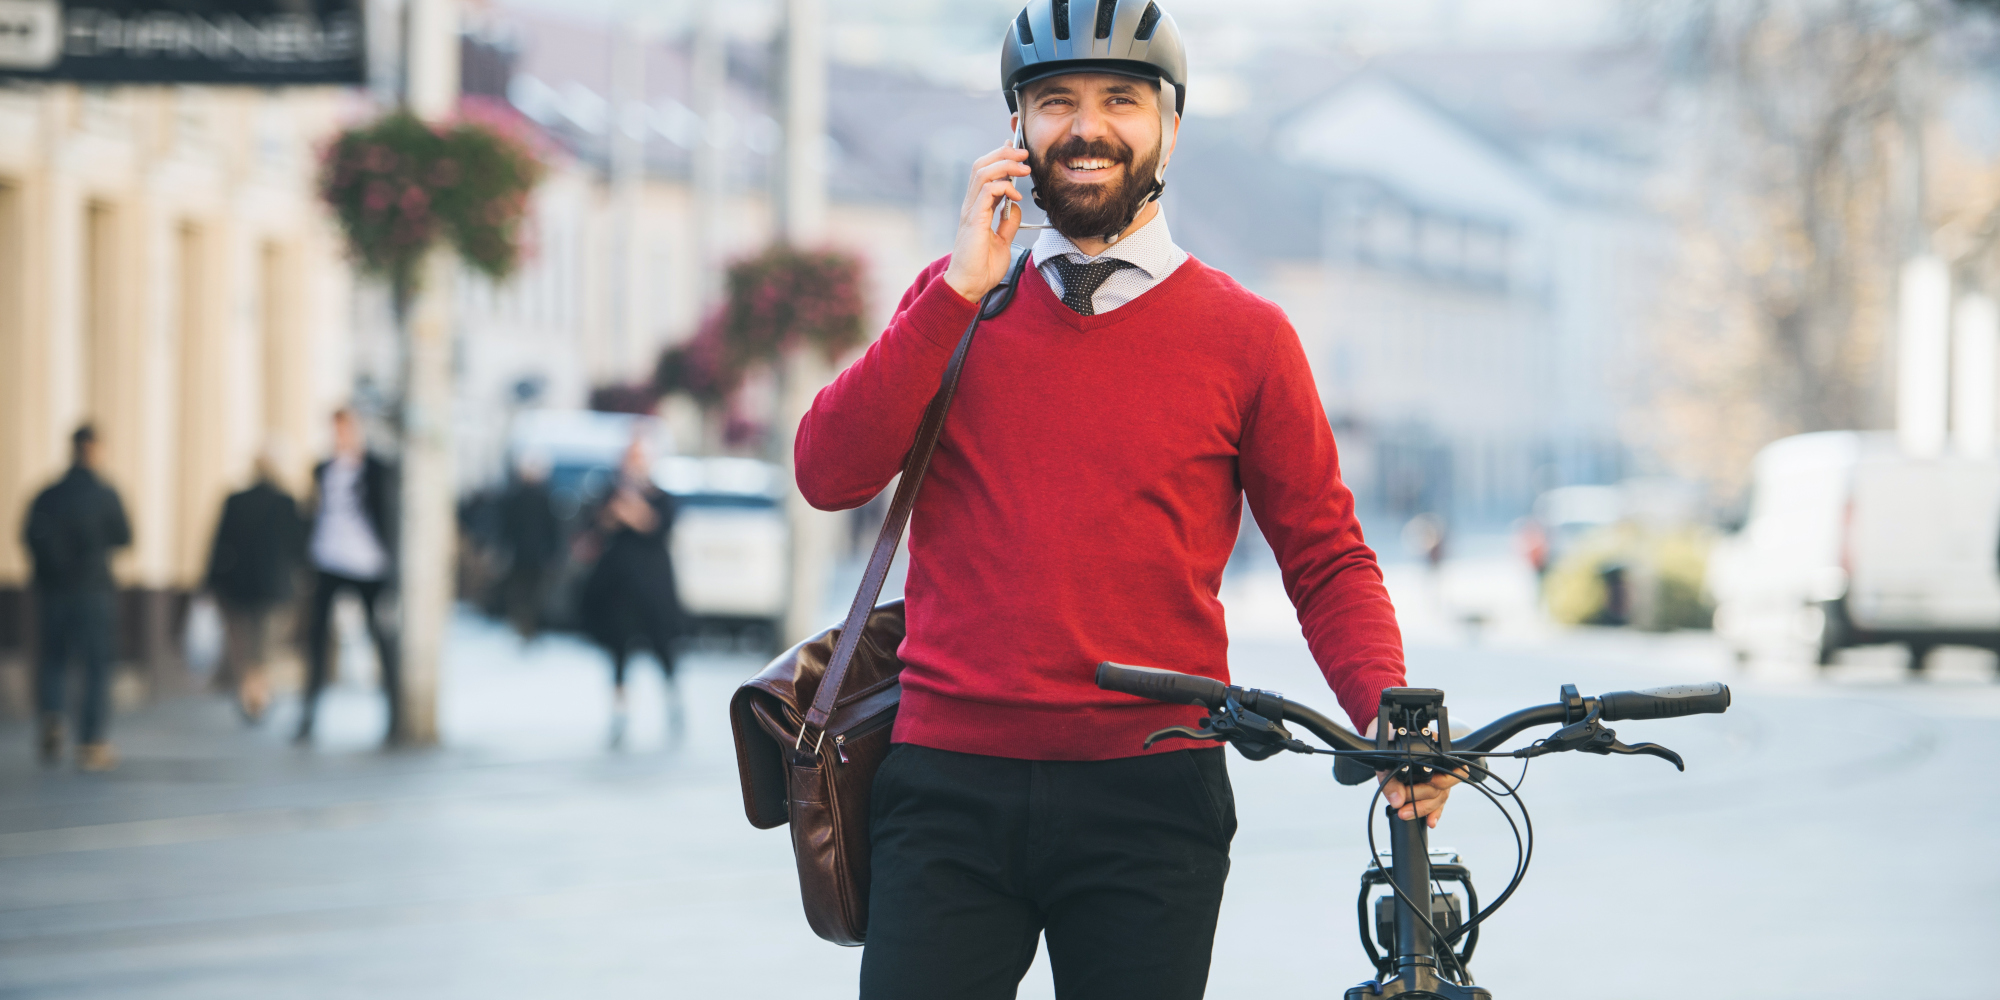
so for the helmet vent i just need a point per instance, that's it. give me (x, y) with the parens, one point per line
(1147, 22)
(1106, 11)
(1021, 29)
(1059, 13)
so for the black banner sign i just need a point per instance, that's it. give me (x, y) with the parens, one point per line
(256, 42)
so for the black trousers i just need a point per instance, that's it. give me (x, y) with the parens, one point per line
(319, 628)
(76, 623)
(1118, 863)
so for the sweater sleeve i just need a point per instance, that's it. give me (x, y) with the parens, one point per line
(853, 439)
(1291, 476)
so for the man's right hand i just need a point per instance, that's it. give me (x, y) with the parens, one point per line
(980, 256)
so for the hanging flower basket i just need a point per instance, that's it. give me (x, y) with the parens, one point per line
(785, 298)
(399, 184)
(778, 301)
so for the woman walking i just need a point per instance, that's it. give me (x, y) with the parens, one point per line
(630, 592)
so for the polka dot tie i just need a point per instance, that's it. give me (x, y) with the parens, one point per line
(1081, 281)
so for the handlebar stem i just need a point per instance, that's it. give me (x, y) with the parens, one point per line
(1409, 844)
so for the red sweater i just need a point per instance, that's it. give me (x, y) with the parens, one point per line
(1082, 503)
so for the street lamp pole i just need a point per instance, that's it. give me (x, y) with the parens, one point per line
(427, 529)
(802, 205)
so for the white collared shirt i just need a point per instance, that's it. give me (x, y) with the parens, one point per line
(1150, 250)
(343, 542)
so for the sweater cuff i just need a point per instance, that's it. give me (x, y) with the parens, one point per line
(940, 313)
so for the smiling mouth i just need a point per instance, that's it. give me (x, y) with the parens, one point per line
(1085, 166)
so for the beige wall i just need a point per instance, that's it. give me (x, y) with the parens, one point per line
(165, 272)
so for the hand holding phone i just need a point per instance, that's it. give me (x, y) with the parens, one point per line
(984, 246)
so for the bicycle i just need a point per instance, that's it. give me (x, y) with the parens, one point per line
(1417, 959)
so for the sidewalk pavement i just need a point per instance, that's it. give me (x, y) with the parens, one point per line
(525, 859)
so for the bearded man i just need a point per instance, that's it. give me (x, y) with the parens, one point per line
(1080, 507)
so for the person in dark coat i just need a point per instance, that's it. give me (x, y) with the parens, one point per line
(71, 530)
(533, 539)
(352, 548)
(259, 545)
(630, 592)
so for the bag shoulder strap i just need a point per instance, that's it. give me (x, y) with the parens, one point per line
(914, 465)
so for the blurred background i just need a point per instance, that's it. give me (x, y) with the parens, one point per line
(1659, 338)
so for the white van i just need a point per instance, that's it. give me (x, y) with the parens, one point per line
(1849, 542)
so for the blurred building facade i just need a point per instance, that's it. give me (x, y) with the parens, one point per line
(166, 274)
(1464, 243)
(618, 273)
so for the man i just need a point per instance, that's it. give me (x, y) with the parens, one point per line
(352, 549)
(533, 538)
(72, 528)
(257, 550)
(1081, 505)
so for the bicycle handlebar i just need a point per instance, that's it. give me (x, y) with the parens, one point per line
(1178, 688)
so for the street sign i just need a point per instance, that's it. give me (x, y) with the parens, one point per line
(254, 42)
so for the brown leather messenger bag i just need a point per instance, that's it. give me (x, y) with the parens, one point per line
(812, 727)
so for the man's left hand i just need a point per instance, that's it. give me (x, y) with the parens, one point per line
(1426, 799)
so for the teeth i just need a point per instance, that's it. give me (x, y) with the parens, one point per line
(1089, 164)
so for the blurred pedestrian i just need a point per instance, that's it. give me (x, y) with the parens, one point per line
(352, 549)
(72, 528)
(630, 592)
(259, 547)
(533, 539)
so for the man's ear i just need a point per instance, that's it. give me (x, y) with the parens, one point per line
(1018, 139)
(1169, 142)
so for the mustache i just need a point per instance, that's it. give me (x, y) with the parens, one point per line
(1077, 147)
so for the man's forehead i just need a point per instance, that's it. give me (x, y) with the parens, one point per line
(1090, 83)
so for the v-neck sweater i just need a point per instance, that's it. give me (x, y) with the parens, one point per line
(1084, 497)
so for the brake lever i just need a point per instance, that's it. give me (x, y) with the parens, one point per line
(1591, 736)
(1649, 749)
(1182, 733)
(1253, 736)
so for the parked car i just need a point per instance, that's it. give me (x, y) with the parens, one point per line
(1633, 554)
(730, 543)
(1849, 542)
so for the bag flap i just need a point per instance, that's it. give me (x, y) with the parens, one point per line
(781, 691)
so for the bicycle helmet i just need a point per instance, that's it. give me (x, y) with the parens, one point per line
(1129, 37)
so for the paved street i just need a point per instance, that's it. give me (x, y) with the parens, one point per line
(525, 859)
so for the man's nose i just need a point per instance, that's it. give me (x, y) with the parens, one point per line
(1089, 124)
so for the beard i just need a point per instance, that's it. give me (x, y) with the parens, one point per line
(1092, 211)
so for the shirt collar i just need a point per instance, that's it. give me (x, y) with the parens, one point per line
(1146, 249)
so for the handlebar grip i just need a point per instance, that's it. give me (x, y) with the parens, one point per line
(1349, 771)
(1162, 685)
(1666, 702)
